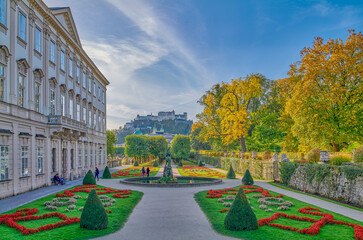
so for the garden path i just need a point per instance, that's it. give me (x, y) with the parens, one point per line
(221, 170)
(167, 213)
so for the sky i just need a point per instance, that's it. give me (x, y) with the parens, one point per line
(162, 55)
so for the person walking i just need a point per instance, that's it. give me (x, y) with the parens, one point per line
(148, 171)
(96, 174)
(143, 171)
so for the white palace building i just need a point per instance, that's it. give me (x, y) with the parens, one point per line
(52, 99)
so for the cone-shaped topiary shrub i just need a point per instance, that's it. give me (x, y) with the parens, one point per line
(247, 178)
(136, 164)
(155, 164)
(240, 216)
(94, 216)
(106, 173)
(180, 163)
(89, 179)
(200, 164)
(230, 173)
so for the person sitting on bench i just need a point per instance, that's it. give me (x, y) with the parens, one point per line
(58, 180)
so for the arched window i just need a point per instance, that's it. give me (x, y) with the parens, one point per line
(22, 80)
(38, 76)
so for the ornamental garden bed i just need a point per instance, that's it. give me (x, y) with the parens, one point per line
(57, 216)
(294, 219)
(194, 171)
(134, 172)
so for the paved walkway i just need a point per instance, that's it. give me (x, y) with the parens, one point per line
(167, 214)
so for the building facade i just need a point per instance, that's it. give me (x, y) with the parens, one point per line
(52, 99)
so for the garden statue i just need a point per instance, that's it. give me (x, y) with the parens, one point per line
(254, 155)
(242, 155)
(168, 171)
(284, 158)
(324, 156)
(275, 157)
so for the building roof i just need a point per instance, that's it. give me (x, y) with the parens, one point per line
(138, 132)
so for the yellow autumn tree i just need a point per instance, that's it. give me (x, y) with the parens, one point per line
(209, 120)
(226, 116)
(233, 110)
(324, 93)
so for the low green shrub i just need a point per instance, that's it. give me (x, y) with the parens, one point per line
(155, 164)
(106, 173)
(94, 216)
(247, 178)
(230, 173)
(352, 172)
(240, 216)
(180, 164)
(286, 170)
(200, 164)
(339, 158)
(136, 164)
(314, 155)
(358, 155)
(89, 179)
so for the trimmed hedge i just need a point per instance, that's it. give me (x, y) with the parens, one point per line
(94, 216)
(230, 173)
(247, 178)
(240, 216)
(106, 173)
(89, 179)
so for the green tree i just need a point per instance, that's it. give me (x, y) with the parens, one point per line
(247, 178)
(324, 93)
(196, 141)
(240, 216)
(89, 179)
(137, 146)
(180, 147)
(106, 173)
(119, 150)
(158, 146)
(111, 140)
(94, 216)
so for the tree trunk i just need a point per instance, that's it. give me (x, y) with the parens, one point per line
(336, 147)
(243, 144)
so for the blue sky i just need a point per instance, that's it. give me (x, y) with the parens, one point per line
(162, 55)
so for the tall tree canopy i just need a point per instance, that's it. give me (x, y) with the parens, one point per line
(228, 107)
(324, 93)
(158, 146)
(111, 139)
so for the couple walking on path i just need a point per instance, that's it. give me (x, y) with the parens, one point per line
(147, 171)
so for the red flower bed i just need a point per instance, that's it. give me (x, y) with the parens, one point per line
(23, 215)
(88, 189)
(315, 228)
(135, 173)
(218, 193)
(193, 171)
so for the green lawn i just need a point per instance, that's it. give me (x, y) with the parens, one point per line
(211, 207)
(121, 210)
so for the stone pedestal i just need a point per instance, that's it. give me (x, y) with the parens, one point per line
(284, 158)
(254, 154)
(324, 156)
(275, 157)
